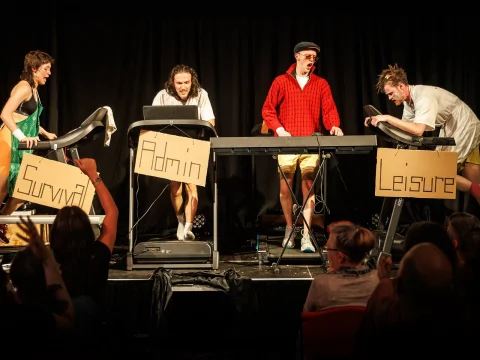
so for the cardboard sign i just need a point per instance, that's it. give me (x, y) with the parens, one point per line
(52, 183)
(416, 174)
(172, 157)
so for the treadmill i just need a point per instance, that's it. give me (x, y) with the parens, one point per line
(168, 253)
(57, 150)
(387, 224)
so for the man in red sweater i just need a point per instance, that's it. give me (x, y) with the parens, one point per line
(296, 105)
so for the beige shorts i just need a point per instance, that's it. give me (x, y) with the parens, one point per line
(307, 163)
(472, 158)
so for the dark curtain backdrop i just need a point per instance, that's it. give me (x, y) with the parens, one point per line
(123, 60)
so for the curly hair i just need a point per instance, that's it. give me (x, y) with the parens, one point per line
(33, 60)
(181, 69)
(393, 74)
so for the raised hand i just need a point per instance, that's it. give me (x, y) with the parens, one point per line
(33, 239)
(88, 167)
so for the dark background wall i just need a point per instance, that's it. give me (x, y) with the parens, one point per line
(122, 60)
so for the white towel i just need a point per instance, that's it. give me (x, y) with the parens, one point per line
(111, 127)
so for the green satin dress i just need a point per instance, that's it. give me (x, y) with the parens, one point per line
(31, 128)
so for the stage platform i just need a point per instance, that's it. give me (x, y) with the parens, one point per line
(201, 321)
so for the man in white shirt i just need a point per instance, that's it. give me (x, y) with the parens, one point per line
(428, 106)
(183, 88)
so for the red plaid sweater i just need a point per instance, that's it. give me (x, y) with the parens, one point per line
(300, 111)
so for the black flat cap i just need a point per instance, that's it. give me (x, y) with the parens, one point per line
(305, 45)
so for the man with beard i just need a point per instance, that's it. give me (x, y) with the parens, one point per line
(183, 88)
(425, 107)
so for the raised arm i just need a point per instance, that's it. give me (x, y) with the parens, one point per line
(108, 234)
(53, 276)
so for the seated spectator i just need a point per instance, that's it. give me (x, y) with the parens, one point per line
(44, 308)
(349, 281)
(423, 312)
(84, 260)
(460, 226)
(464, 230)
(382, 303)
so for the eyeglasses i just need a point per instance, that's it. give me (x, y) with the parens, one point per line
(310, 57)
(331, 249)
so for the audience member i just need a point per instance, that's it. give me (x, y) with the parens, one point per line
(349, 281)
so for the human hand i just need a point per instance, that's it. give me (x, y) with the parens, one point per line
(49, 135)
(33, 239)
(336, 131)
(88, 167)
(384, 266)
(283, 133)
(30, 141)
(378, 118)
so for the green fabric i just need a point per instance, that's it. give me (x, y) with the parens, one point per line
(31, 128)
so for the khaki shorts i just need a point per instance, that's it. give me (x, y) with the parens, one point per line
(472, 158)
(307, 163)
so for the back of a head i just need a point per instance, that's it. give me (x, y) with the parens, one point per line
(460, 228)
(71, 233)
(425, 276)
(430, 232)
(353, 240)
(71, 238)
(28, 277)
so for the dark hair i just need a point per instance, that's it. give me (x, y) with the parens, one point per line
(434, 233)
(33, 60)
(28, 277)
(425, 274)
(180, 69)
(394, 75)
(353, 240)
(4, 299)
(71, 237)
(461, 225)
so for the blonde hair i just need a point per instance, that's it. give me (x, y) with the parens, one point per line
(393, 74)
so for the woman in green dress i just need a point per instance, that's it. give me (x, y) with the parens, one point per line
(21, 123)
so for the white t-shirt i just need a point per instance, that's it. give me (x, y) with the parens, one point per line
(435, 106)
(205, 111)
(302, 80)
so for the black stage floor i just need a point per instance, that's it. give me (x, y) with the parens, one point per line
(201, 322)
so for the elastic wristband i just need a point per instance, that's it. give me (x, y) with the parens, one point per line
(19, 134)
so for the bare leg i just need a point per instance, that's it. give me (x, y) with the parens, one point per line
(191, 206)
(176, 196)
(286, 201)
(3, 195)
(3, 188)
(177, 202)
(307, 183)
(12, 205)
(463, 184)
(286, 198)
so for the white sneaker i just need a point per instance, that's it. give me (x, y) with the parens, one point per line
(189, 235)
(289, 233)
(180, 231)
(306, 245)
